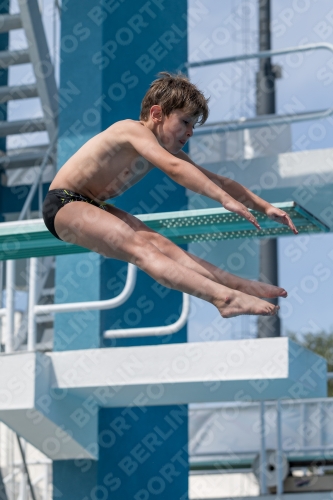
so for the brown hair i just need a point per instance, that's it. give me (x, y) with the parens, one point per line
(173, 92)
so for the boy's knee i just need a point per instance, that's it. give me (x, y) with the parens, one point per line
(114, 240)
(143, 251)
(165, 246)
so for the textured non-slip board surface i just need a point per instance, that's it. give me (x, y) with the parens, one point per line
(219, 224)
(25, 239)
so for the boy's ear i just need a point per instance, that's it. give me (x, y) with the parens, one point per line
(156, 113)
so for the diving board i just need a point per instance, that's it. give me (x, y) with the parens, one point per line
(56, 395)
(25, 239)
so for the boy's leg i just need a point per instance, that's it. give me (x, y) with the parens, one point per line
(256, 288)
(199, 265)
(105, 233)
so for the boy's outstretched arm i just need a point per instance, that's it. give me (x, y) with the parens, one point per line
(244, 195)
(182, 171)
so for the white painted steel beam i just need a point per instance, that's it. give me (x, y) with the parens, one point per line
(38, 414)
(12, 57)
(259, 369)
(10, 22)
(24, 157)
(13, 92)
(52, 399)
(22, 126)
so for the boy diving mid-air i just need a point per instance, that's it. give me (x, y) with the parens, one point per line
(75, 211)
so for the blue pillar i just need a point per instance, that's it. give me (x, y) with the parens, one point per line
(110, 54)
(4, 9)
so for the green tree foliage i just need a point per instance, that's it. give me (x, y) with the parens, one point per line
(321, 343)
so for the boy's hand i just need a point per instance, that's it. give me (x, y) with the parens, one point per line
(280, 216)
(235, 206)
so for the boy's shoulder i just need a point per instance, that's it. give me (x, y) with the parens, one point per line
(128, 123)
(129, 129)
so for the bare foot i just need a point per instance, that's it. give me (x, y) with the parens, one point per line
(238, 303)
(259, 289)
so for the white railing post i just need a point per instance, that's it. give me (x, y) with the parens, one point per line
(33, 275)
(279, 457)
(46, 482)
(2, 310)
(1, 282)
(263, 464)
(322, 424)
(303, 421)
(10, 304)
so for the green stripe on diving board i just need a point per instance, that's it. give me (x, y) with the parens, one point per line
(25, 239)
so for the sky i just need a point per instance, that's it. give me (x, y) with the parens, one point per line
(229, 28)
(220, 29)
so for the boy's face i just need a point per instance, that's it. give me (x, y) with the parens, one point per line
(175, 130)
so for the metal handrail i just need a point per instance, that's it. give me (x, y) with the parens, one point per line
(287, 450)
(96, 305)
(282, 447)
(153, 331)
(34, 310)
(240, 404)
(244, 123)
(100, 305)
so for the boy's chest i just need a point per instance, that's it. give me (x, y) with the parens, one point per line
(125, 174)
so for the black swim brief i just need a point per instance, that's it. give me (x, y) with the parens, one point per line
(57, 198)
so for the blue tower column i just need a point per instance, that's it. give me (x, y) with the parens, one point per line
(110, 54)
(4, 9)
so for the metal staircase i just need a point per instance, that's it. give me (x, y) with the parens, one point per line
(36, 53)
(44, 295)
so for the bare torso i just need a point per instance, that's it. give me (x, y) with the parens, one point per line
(104, 167)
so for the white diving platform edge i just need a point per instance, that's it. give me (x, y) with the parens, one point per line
(52, 399)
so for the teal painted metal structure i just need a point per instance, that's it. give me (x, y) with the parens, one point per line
(210, 224)
(4, 43)
(26, 239)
